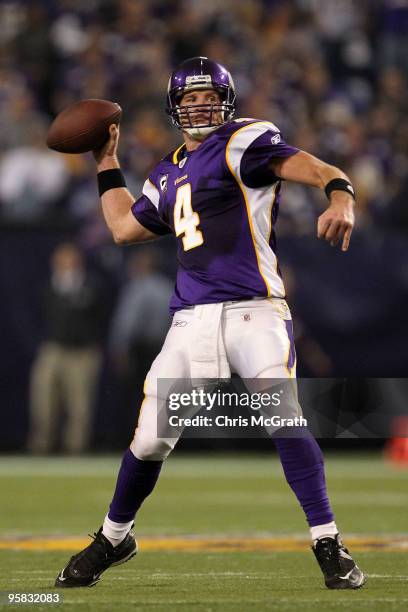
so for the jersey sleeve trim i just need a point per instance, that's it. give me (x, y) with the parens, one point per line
(237, 144)
(146, 210)
(150, 191)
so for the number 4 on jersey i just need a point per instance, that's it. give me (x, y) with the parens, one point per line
(186, 220)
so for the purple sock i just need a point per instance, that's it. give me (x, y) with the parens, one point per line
(303, 465)
(136, 480)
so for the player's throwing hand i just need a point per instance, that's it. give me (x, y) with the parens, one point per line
(106, 156)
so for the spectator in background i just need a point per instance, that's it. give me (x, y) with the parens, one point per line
(331, 75)
(33, 179)
(65, 371)
(140, 324)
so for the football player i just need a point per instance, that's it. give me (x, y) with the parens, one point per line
(218, 193)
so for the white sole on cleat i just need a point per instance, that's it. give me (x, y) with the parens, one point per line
(130, 555)
(97, 579)
(362, 581)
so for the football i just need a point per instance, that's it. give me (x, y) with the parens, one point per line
(83, 126)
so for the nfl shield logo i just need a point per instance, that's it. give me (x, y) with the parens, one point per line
(163, 182)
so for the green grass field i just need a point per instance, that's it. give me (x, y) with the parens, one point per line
(213, 502)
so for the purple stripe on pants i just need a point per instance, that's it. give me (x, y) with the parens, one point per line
(292, 351)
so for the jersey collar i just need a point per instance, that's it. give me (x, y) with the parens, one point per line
(179, 154)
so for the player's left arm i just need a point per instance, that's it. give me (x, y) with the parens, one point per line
(337, 221)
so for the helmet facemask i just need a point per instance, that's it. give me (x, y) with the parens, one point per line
(213, 115)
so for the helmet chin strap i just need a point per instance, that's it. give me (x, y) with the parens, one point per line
(200, 133)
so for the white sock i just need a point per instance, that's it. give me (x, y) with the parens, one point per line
(328, 530)
(115, 532)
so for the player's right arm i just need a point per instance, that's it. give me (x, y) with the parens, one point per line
(117, 203)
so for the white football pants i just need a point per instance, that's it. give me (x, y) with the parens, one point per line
(257, 340)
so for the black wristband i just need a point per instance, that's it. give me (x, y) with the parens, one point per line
(339, 184)
(110, 179)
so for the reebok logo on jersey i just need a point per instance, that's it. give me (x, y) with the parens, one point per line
(182, 162)
(276, 139)
(179, 323)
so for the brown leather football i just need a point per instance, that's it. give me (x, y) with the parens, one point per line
(83, 126)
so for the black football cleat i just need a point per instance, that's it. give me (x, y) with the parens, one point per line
(85, 568)
(339, 569)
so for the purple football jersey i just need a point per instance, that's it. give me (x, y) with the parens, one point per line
(221, 201)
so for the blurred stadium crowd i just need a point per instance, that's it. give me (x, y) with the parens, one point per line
(332, 74)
